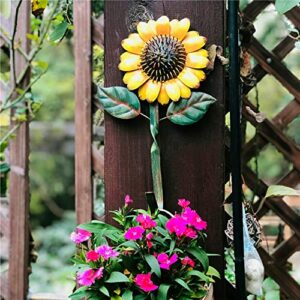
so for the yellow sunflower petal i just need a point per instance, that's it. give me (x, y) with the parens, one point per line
(134, 44)
(172, 89)
(188, 78)
(199, 73)
(163, 25)
(135, 79)
(146, 31)
(193, 41)
(152, 90)
(142, 92)
(163, 97)
(180, 28)
(196, 60)
(185, 92)
(129, 62)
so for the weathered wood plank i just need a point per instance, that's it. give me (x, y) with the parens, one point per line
(192, 157)
(83, 110)
(19, 182)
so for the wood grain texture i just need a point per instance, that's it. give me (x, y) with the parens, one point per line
(83, 110)
(193, 156)
(19, 182)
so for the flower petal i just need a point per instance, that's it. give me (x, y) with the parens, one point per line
(185, 92)
(129, 62)
(172, 90)
(196, 60)
(146, 30)
(142, 92)
(163, 25)
(188, 78)
(193, 41)
(180, 28)
(152, 90)
(199, 73)
(163, 97)
(135, 79)
(134, 44)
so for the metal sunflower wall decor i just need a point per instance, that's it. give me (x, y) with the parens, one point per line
(163, 61)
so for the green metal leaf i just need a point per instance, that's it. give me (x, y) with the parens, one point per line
(187, 112)
(116, 277)
(119, 102)
(153, 263)
(201, 256)
(283, 6)
(162, 293)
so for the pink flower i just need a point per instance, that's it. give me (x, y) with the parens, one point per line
(165, 261)
(89, 276)
(145, 221)
(149, 244)
(199, 224)
(106, 252)
(80, 235)
(144, 282)
(188, 261)
(149, 236)
(191, 233)
(134, 233)
(193, 219)
(176, 224)
(92, 255)
(183, 203)
(128, 200)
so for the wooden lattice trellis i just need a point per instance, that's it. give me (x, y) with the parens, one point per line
(271, 132)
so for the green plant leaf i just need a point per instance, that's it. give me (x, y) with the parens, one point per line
(162, 293)
(280, 190)
(182, 283)
(5, 8)
(119, 102)
(153, 263)
(104, 291)
(59, 31)
(95, 226)
(201, 255)
(79, 293)
(128, 295)
(283, 6)
(198, 274)
(187, 112)
(116, 277)
(4, 167)
(213, 272)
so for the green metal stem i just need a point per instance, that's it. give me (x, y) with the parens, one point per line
(155, 154)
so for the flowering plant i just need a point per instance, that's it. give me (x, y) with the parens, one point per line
(150, 256)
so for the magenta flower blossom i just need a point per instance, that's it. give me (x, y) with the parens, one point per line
(176, 225)
(128, 200)
(144, 282)
(165, 261)
(80, 235)
(145, 221)
(88, 277)
(183, 203)
(187, 261)
(193, 219)
(92, 255)
(149, 236)
(191, 233)
(134, 233)
(106, 252)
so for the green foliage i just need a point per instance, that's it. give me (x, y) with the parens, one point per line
(187, 112)
(280, 190)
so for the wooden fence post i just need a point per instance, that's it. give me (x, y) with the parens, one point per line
(83, 110)
(19, 180)
(192, 157)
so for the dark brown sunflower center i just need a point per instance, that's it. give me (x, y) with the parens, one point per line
(163, 58)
